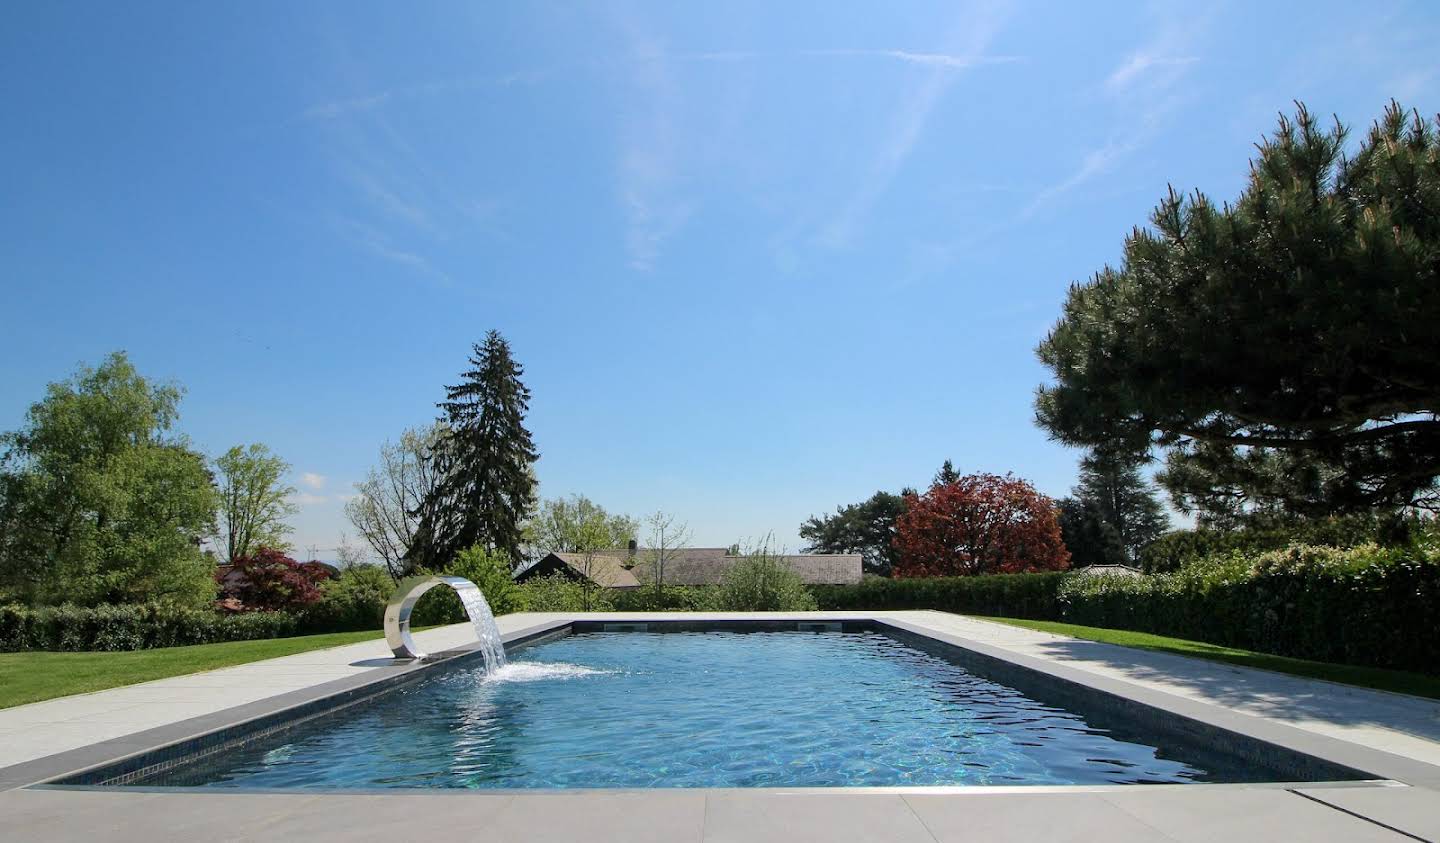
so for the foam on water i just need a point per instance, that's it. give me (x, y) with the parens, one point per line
(539, 671)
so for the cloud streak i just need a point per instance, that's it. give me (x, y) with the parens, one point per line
(910, 120)
(1143, 87)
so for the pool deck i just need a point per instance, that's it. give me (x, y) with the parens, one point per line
(1397, 733)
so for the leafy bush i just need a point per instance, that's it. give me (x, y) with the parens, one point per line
(269, 581)
(672, 598)
(556, 593)
(1364, 605)
(355, 600)
(761, 582)
(1180, 547)
(132, 627)
(491, 574)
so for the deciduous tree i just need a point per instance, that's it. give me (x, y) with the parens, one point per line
(389, 503)
(254, 501)
(980, 524)
(98, 501)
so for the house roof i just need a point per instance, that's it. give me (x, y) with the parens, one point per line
(1108, 570)
(692, 566)
(605, 570)
(707, 565)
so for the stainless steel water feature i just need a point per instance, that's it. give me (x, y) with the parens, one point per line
(402, 603)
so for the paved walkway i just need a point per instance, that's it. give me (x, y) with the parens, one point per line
(1402, 725)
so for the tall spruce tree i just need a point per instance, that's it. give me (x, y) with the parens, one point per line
(1111, 482)
(486, 460)
(946, 475)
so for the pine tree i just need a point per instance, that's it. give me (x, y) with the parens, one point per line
(1110, 480)
(486, 460)
(946, 475)
(1090, 539)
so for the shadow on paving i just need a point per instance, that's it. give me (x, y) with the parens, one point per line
(1280, 696)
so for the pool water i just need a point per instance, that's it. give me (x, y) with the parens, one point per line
(711, 709)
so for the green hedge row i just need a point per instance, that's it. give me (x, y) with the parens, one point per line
(1032, 596)
(132, 627)
(1365, 605)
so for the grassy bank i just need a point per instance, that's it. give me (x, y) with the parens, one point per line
(34, 676)
(1398, 681)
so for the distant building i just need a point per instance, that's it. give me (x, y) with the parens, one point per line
(1109, 570)
(630, 568)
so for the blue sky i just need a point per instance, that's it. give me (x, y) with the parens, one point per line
(758, 259)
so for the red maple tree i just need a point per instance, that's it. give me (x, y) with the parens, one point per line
(268, 580)
(979, 524)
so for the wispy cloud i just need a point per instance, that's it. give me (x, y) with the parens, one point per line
(346, 106)
(1143, 88)
(307, 499)
(1145, 66)
(946, 60)
(908, 124)
(655, 208)
(313, 480)
(378, 243)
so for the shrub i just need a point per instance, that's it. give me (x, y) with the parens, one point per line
(1174, 549)
(355, 600)
(270, 581)
(1363, 605)
(672, 598)
(132, 627)
(556, 593)
(761, 582)
(491, 574)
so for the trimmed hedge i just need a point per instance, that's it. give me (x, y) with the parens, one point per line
(1367, 605)
(1031, 596)
(1364, 606)
(132, 627)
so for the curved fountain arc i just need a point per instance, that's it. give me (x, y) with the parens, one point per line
(408, 593)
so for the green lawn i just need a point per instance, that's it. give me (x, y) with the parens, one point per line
(30, 677)
(1398, 681)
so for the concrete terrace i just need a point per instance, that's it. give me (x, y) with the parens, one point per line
(41, 740)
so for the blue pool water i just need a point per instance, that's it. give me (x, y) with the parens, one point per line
(713, 709)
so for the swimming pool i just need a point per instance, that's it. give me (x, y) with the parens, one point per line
(719, 709)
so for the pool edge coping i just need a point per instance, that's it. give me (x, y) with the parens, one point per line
(1388, 769)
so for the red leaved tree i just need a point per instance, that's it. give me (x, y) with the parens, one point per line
(268, 580)
(979, 524)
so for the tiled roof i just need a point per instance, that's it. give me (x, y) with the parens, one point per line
(604, 570)
(707, 565)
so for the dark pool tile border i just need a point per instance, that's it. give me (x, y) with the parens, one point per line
(143, 753)
(1318, 757)
(1203, 720)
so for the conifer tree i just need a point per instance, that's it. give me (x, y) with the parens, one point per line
(486, 458)
(946, 475)
(1111, 482)
(1281, 347)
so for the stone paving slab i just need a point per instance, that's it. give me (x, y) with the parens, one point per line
(1402, 725)
(1147, 816)
(1411, 810)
